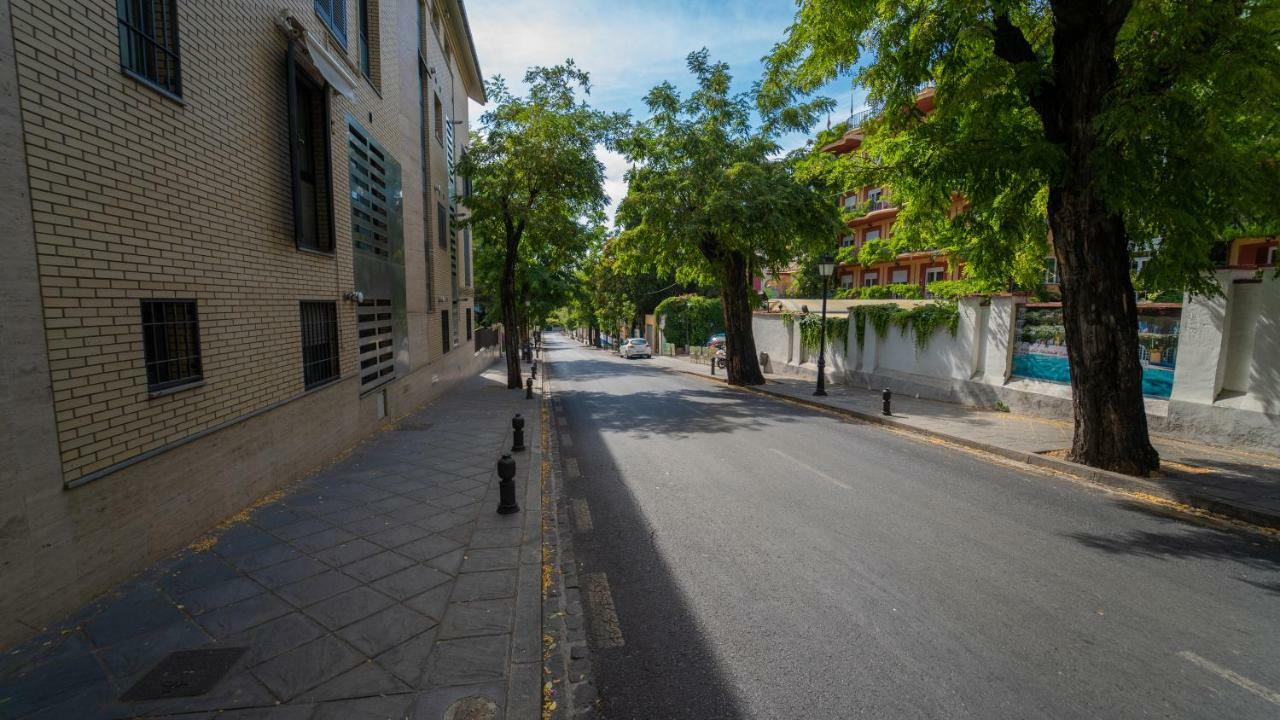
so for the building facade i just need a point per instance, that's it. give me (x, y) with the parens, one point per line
(232, 253)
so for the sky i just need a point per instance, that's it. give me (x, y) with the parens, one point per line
(628, 46)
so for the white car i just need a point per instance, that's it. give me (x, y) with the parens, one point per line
(636, 347)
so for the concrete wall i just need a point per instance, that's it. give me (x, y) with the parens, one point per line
(1226, 384)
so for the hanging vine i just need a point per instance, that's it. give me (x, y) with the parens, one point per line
(811, 330)
(923, 319)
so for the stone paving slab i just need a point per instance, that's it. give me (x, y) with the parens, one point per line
(1241, 484)
(384, 586)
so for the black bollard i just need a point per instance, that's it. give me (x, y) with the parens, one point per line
(507, 486)
(517, 428)
(713, 363)
(528, 389)
(887, 396)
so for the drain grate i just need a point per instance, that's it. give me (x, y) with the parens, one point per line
(185, 673)
(414, 425)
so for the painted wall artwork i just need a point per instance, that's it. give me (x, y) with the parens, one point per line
(1041, 351)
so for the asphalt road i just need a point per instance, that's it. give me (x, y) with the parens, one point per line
(769, 561)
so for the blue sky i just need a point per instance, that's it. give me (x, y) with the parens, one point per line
(630, 46)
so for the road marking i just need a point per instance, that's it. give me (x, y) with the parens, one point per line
(603, 630)
(812, 469)
(1261, 691)
(571, 468)
(582, 515)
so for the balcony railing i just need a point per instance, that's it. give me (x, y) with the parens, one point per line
(857, 119)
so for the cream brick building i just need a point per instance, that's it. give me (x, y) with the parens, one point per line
(230, 254)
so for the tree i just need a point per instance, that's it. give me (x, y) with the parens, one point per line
(538, 192)
(709, 200)
(690, 319)
(1145, 126)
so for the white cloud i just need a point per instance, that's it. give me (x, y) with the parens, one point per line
(615, 166)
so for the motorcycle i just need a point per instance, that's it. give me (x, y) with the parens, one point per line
(720, 360)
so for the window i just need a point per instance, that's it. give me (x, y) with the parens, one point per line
(445, 345)
(846, 240)
(871, 234)
(851, 201)
(439, 108)
(870, 279)
(935, 274)
(171, 343)
(370, 47)
(149, 43)
(319, 343)
(309, 149)
(899, 276)
(873, 200)
(1051, 271)
(466, 257)
(468, 317)
(442, 226)
(334, 15)
(846, 281)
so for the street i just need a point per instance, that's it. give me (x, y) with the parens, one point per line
(770, 561)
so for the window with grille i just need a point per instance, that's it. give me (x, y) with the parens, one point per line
(370, 210)
(334, 15)
(309, 153)
(445, 344)
(375, 342)
(319, 343)
(171, 343)
(439, 108)
(149, 43)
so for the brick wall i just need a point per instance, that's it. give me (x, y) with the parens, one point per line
(134, 196)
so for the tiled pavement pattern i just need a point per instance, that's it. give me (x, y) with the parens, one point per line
(1246, 479)
(385, 586)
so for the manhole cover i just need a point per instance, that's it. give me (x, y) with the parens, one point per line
(472, 708)
(185, 673)
(418, 425)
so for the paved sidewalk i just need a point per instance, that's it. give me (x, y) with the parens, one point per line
(385, 586)
(1237, 483)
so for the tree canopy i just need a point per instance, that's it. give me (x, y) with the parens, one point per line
(710, 198)
(538, 198)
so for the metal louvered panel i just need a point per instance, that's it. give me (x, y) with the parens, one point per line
(375, 340)
(369, 205)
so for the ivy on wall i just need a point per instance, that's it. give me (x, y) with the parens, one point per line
(924, 320)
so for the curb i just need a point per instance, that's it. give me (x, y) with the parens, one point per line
(1103, 478)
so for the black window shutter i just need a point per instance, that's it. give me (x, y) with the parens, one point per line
(295, 150)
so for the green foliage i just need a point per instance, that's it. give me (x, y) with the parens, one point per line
(956, 289)
(538, 195)
(923, 320)
(1187, 139)
(892, 291)
(811, 330)
(690, 319)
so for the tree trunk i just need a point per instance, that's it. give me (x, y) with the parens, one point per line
(742, 364)
(1099, 309)
(510, 318)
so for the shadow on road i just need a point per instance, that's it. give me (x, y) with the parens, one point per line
(665, 667)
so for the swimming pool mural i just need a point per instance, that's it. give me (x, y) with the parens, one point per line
(1041, 351)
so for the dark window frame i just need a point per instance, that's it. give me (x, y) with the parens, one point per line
(326, 238)
(153, 341)
(446, 338)
(467, 312)
(319, 335)
(137, 44)
(333, 14)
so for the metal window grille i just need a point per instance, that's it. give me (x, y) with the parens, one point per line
(445, 343)
(319, 343)
(370, 210)
(149, 42)
(171, 343)
(334, 15)
(376, 342)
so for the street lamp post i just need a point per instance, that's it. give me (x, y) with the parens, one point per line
(826, 266)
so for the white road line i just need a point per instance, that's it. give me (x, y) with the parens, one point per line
(582, 515)
(571, 468)
(603, 630)
(1261, 691)
(812, 469)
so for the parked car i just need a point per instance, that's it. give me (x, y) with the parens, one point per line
(636, 347)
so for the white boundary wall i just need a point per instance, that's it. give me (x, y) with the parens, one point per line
(1226, 386)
